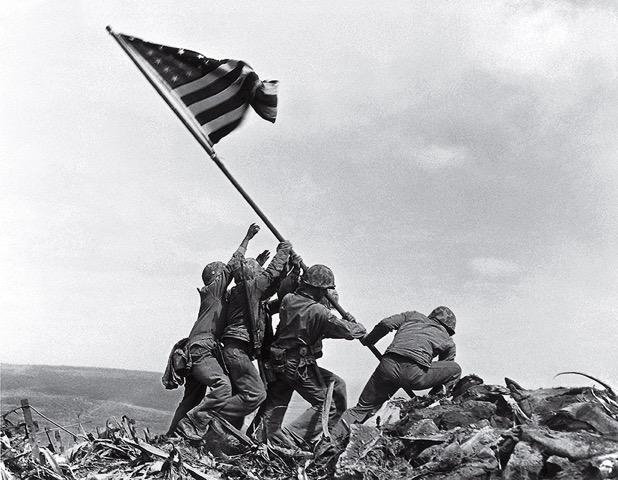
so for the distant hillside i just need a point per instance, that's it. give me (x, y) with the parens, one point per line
(93, 394)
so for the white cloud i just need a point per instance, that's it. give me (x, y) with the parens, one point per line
(494, 267)
(434, 157)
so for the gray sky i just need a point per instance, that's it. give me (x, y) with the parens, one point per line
(457, 153)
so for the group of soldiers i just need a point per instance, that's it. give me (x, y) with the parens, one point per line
(234, 327)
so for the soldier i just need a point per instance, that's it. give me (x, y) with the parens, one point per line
(303, 323)
(202, 345)
(407, 362)
(244, 332)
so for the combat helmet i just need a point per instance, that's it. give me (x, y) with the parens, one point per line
(249, 270)
(446, 317)
(319, 276)
(212, 271)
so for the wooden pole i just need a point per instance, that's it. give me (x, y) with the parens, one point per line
(190, 123)
(31, 430)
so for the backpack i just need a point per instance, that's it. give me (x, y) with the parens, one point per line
(178, 365)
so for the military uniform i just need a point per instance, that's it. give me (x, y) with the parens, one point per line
(206, 371)
(407, 363)
(243, 336)
(303, 323)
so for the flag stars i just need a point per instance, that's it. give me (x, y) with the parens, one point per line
(181, 51)
(158, 61)
(150, 52)
(174, 78)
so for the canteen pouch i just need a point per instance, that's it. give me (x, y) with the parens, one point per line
(277, 359)
(181, 362)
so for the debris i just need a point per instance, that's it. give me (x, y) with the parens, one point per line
(609, 389)
(326, 409)
(573, 445)
(484, 432)
(555, 464)
(578, 416)
(525, 463)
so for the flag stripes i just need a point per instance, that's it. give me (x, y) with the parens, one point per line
(216, 93)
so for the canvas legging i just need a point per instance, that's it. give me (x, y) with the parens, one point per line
(395, 372)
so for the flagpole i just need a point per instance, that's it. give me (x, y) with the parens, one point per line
(204, 141)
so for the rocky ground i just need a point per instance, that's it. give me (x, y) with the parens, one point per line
(481, 432)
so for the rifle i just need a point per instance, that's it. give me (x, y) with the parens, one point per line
(256, 344)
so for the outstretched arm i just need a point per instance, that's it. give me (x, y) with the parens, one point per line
(223, 281)
(239, 254)
(335, 327)
(254, 228)
(266, 278)
(381, 329)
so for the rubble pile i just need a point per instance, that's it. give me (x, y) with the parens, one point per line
(491, 432)
(481, 432)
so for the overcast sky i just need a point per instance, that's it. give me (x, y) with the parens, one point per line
(456, 153)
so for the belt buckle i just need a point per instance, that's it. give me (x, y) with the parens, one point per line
(302, 351)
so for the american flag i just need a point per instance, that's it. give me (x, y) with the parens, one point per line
(216, 93)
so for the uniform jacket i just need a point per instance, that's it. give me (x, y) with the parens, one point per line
(305, 322)
(418, 337)
(260, 288)
(210, 318)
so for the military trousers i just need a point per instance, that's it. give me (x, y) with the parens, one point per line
(395, 372)
(206, 373)
(311, 383)
(248, 390)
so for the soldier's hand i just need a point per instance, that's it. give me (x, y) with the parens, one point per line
(254, 228)
(286, 245)
(349, 317)
(296, 259)
(262, 257)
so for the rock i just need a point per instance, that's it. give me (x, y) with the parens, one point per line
(430, 454)
(525, 463)
(573, 445)
(486, 393)
(586, 416)
(450, 457)
(483, 440)
(465, 383)
(544, 402)
(606, 465)
(369, 455)
(352, 462)
(555, 464)
(466, 472)
(422, 428)
(468, 413)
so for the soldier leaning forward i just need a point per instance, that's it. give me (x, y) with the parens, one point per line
(408, 362)
(244, 332)
(303, 323)
(203, 369)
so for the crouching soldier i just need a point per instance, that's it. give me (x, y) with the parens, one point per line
(244, 332)
(202, 347)
(303, 323)
(407, 363)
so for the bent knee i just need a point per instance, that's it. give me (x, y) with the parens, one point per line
(340, 385)
(254, 399)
